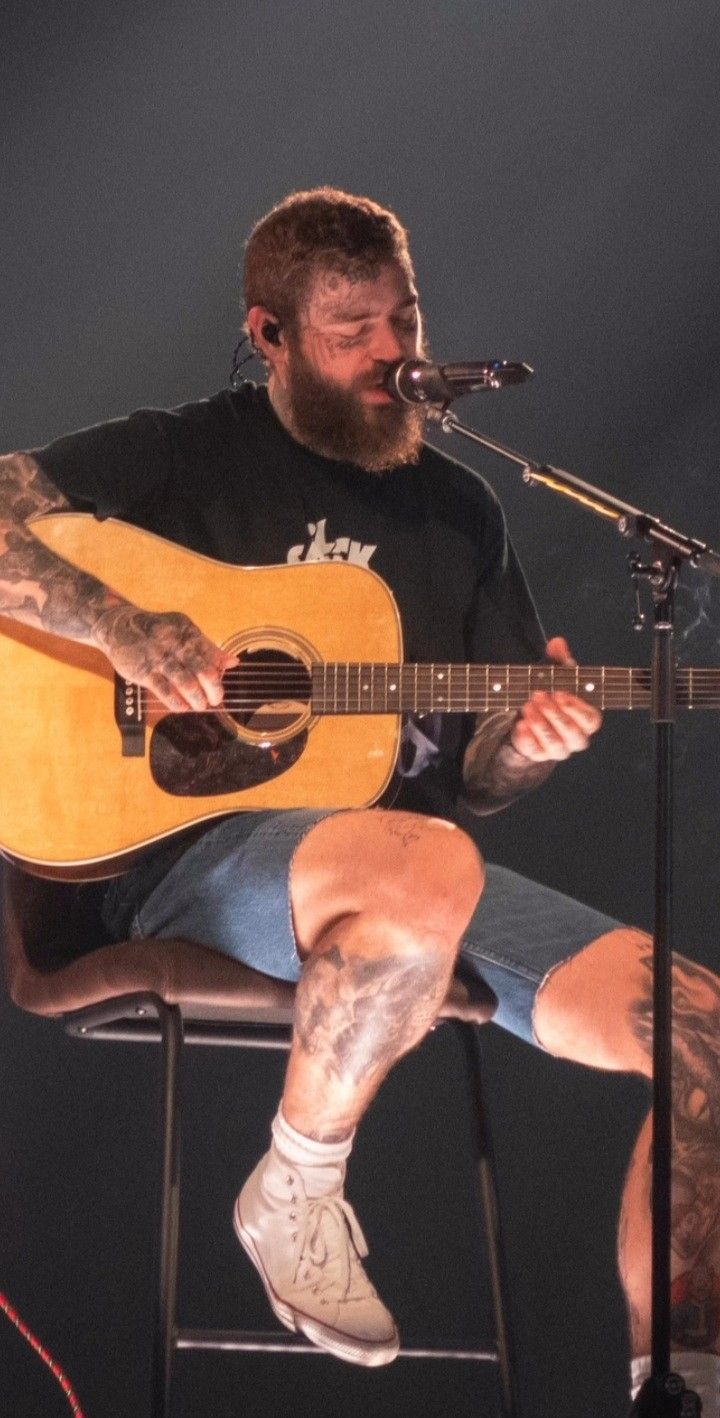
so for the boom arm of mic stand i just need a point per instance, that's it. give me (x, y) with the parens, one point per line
(630, 521)
(664, 1394)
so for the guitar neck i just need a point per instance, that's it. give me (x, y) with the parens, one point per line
(346, 688)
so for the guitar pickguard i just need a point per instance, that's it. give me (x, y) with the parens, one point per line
(195, 755)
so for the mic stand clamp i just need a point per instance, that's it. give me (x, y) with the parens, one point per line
(664, 1395)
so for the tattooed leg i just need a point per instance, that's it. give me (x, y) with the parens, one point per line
(695, 1235)
(597, 1009)
(380, 901)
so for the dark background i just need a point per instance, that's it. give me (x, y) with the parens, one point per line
(556, 165)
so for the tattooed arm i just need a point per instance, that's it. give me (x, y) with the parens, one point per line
(511, 753)
(165, 652)
(495, 773)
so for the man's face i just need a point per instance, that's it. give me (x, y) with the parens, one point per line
(350, 332)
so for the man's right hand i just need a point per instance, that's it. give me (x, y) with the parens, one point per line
(165, 652)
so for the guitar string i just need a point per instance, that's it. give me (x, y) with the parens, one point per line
(570, 672)
(584, 678)
(513, 683)
(381, 704)
(564, 675)
(349, 682)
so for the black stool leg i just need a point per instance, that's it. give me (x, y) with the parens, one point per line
(163, 1349)
(468, 1035)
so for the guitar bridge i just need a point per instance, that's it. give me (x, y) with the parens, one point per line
(130, 717)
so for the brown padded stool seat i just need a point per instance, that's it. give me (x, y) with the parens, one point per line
(54, 974)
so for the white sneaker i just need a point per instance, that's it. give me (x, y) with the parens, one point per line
(306, 1242)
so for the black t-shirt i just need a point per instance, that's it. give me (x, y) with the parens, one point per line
(224, 477)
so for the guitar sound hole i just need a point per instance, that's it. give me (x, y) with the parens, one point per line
(268, 692)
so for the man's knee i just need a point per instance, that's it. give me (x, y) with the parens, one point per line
(593, 1008)
(596, 1008)
(411, 873)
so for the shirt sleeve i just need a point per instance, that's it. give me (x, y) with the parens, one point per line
(110, 468)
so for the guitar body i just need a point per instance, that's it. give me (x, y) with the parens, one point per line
(72, 804)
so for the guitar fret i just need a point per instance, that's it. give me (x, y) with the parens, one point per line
(375, 687)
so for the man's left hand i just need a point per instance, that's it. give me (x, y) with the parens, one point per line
(553, 726)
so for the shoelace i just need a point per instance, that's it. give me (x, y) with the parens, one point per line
(330, 1243)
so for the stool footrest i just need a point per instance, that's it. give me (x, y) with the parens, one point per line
(146, 1031)
(276, 1342)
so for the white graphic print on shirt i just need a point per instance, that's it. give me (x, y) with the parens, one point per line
(417, 749)
(320, 548)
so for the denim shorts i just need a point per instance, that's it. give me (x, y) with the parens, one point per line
(230, 890)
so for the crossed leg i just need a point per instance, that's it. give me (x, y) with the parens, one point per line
(380, 902)
(596, 1009)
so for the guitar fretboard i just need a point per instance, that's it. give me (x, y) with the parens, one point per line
(345, 688)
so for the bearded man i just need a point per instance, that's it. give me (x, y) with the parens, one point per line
(384, 903)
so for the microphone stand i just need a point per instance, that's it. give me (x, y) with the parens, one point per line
(664, 1394)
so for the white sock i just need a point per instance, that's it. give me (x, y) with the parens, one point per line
(700, 1371)
(298, 1148)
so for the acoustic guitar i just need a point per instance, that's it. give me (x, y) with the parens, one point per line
(93, 769)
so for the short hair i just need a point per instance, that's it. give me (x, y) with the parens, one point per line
(319, 230)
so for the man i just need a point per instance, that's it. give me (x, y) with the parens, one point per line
(384, 901)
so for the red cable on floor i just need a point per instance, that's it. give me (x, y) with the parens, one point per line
(35, 1344)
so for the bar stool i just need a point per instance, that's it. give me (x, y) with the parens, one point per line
(59, 964)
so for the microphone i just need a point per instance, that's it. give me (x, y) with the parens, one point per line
(417, 381)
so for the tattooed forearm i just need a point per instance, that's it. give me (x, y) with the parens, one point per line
(36, 586)
(25, 491)
(164, 650)
(356, 1015)
(494, 773)
(41, 589)
(695, 1237)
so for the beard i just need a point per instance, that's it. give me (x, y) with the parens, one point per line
(336, 423)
